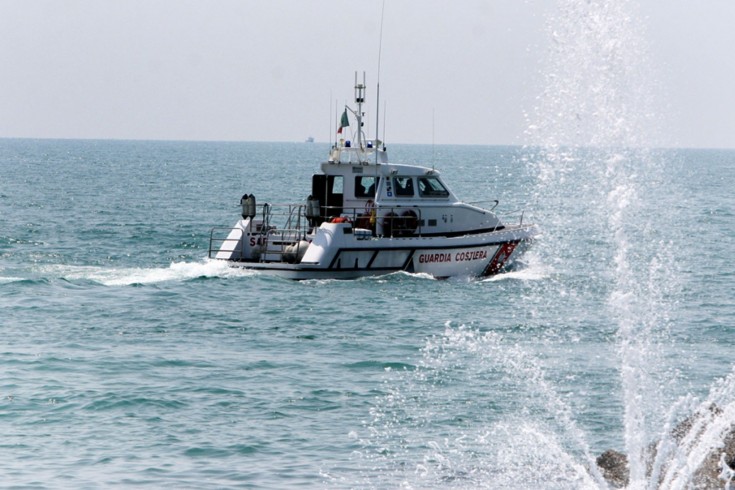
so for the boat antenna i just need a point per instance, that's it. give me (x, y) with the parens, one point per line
(359, 100)
(377, 91)
(385, 110)
(433, 153)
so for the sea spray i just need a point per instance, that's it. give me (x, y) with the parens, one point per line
(608, 253)
(594, 121)
(440, 425)
(687, 454)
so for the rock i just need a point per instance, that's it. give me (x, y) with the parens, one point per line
(614, 466)
(708, 474)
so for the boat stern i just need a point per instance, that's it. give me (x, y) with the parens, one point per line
(238, 243)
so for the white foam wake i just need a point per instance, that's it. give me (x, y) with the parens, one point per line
(8, 280)
(176, 272)
(533, 271)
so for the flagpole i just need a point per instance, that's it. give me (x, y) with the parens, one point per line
(377, 119)
(330, 117)
(433, 154)
(336, 118)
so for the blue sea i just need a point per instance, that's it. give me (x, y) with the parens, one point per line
(128, 359)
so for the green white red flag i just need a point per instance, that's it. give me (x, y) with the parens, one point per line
(344, 122)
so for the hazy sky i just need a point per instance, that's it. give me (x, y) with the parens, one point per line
(269, 70)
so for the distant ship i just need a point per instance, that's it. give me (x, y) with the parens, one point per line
(310, 139)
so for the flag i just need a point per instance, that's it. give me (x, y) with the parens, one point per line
(344, 122)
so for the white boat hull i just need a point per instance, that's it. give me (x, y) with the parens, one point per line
(338, 253)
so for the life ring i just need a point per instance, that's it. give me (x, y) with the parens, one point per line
(340, 219)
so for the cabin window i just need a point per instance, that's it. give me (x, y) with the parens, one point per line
(365, 186)
(328, 190)
(403, 186)
(432, 187)
(337, 186)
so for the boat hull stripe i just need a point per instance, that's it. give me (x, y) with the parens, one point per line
(501, 256)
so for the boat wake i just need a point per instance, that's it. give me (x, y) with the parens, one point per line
(175, 272)
(393, 277)
(10, 279)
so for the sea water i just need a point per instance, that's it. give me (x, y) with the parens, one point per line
(129, 359)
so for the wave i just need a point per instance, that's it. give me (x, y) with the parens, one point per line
(523, 275)
(534, 269)
(396, 277)
(21, 280)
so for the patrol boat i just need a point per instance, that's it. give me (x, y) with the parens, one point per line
(366, 217)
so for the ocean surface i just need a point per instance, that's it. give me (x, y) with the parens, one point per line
(130, 360)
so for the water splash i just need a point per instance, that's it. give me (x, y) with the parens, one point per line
(591, 134)
(597, 80)
(533, 270)
(593, 125)
(439, 426)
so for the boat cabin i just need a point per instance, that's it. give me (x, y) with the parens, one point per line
(394, 199)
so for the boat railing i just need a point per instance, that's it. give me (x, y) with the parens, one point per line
(494, 201)
(225, 242)
(515, 216)
(283, 244)
(295, 214)
(280, 227)
(281, 217)
(394, 220)
(506, 217)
